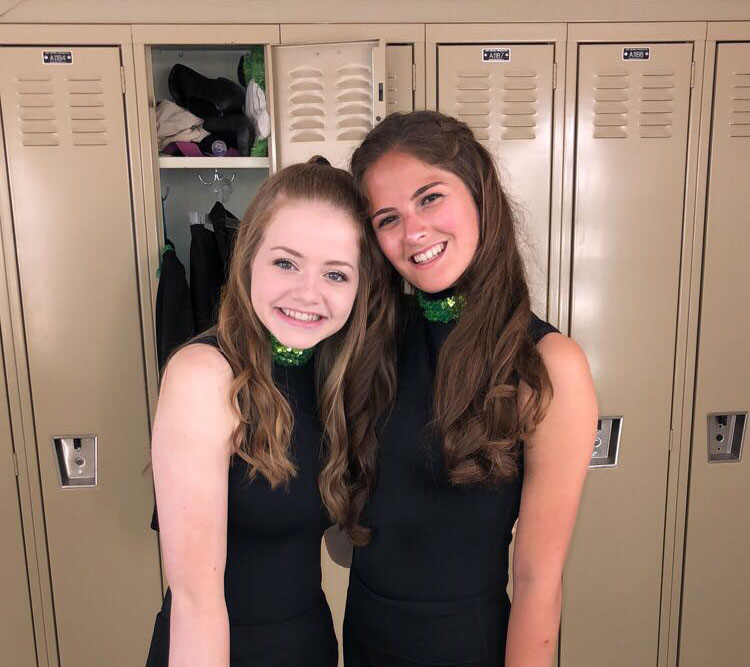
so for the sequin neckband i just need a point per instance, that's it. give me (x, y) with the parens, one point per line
(443, 307)
(289, 356)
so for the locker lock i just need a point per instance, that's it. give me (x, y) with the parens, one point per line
(726, 432)
(606, 442)
(76, 460)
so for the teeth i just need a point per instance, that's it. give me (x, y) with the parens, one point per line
(429, 254)
(299, 315)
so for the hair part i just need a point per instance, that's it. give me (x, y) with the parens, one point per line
(476, 404)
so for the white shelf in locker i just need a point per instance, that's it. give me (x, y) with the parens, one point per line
(213, 162)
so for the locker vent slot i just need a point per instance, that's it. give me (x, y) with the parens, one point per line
(516, 111)
(656, 109)
(37, 110)
(611, 97)
(353, 102)
(306, 110)
(474, 102)
(519, 112)
(739, 108)
(88, 124)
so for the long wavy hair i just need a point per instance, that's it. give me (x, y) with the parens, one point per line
(266, 421)
(477, 411)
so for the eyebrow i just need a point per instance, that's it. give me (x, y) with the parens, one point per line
(416, 194)
(331, 262)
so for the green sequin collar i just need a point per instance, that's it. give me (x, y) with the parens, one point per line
(289, 356)
(439, 308)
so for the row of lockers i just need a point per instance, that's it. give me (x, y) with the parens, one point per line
(624, 148)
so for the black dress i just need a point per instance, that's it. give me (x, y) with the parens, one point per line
(278, 615)
(430, 588)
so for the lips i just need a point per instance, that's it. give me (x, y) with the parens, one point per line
(299, 318)
(428, 254)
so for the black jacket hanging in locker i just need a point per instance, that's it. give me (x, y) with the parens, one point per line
(206, 276)
(225, 224)
(174, 313)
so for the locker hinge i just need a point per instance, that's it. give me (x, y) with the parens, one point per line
(554, 76)
(692, 74)
(122, 79)
(671, 439)
(15, 464)
(414, 76)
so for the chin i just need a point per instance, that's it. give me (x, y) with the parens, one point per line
(300, 340)
(431, 285)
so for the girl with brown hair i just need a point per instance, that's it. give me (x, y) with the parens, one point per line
(245, 461)
(467, 412)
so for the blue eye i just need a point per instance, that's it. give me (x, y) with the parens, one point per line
(336, 276)
(284, 264)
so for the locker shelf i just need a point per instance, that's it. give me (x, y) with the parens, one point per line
(213, 162)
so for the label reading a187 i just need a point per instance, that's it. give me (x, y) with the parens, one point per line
(636, 53)
(495, 55)
(58, 58)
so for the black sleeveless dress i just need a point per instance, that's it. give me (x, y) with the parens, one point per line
(430, 588)
(278, 615)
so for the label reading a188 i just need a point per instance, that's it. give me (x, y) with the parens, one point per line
(495, 55)
(58, 58)
(636, 53)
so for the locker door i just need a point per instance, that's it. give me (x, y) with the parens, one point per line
(631, 143)
(70, 192)
(326, 97)
(504, 93)
(716, 576)
(16, 626)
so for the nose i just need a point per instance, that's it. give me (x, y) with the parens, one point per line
(306, 290)
(414, 229)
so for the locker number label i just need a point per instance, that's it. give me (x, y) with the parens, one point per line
(495, 55)
(636, 53)
(58, 58)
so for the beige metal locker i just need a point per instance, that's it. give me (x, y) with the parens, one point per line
(716, 574)
(67, 155)
(16, 623)
(504, 92)
(631, 145)
(326, 97)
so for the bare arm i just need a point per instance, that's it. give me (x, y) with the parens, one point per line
(190, 454)
(555, 463)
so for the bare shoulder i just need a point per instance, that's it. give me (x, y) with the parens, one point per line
(197, 362)
(195, 399)
(564, 359)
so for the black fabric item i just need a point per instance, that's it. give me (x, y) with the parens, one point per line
(225, 231)
(202, 96)
(236, 129)
(174, 313)
(206, 276)
(277, 612)
(434, 544)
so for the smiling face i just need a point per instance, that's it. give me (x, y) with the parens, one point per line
(305, 273)
(425, 220)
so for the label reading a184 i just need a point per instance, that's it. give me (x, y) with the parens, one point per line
(58, 58)
(495, 55)
(636, 53)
